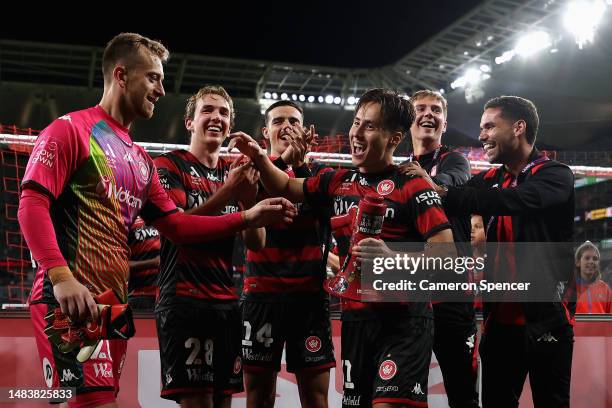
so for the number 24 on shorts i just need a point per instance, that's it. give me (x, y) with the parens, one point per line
(263, 335)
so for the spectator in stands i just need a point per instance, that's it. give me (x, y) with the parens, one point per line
(594, 295)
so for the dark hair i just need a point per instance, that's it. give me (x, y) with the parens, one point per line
(282, 103)
(397, 112)
(426, 93)
(127, 46)
(517, 108)
(209, 90)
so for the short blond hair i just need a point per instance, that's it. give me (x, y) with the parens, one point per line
(127, 46)
(209, 90)
(426, 93)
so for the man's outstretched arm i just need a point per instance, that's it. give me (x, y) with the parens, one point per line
(275, 181)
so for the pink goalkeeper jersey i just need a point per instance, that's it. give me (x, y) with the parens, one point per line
(98, 181)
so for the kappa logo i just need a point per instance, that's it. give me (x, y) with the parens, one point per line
(237, 365)
(212, 177)
(313, 344)
(168, 378)
(387, 370)
(68, 375)
(416, 390)
(548, 338)
(385, 187)
(66, 117)
(363, 181)
(48, 372)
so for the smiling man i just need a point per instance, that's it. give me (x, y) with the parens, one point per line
(198, 318)
(455, 328)
(76, 208)
(529, 198)
(386, 347)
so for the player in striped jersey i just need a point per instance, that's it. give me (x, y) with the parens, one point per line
(144, 245)
(386, 347)
(198, 317)
(283, 299)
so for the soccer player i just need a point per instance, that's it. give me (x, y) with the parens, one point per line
(198, 317)
(455, 327)
(386, 347)
(84, 185)
(144, 244)
(530, 198)
(284, 304)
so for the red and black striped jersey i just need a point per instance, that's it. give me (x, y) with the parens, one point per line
(144, 244)
(290, 267)
(414, 213)
(198, 271)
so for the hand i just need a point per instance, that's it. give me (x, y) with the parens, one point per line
(369, 248)
(242, 180)
(270, 211)
(413, 168)
(301, 140)
(74, 298)
(246, 144)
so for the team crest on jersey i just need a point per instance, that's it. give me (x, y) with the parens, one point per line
(387, 370)
(143, 169)
(385, 187)
(313, 344)
(237, 365)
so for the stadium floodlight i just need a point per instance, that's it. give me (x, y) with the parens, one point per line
(442, 91)
(472, 77)
(582, 17)
(350, 100)
(505, 57)
(302, 98)
(274, 95)
(485, 68)
(329, 99)
(532, 42)
(321, 99)
(267, 95)
(311, 99)
(284, 96)
(337, 100)
(294, 97)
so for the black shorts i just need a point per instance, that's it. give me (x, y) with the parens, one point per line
(199, 350)
(304, 326)
(386, 360)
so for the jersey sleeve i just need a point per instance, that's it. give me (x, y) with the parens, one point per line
(454, 170)
(551, 185)
(319, 190)
(56, 155)
(426, 207)
(170, 179)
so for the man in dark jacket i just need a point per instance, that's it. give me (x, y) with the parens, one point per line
(530, 198)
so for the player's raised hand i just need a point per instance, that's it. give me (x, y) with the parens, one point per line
(246, 144)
